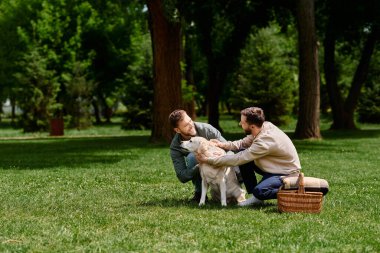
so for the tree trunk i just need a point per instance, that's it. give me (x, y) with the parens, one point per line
(166, 41)
(343, 111)
(189, 105)
(13, 105)
(360, 76)
(335, 97)
(96, 111)
(214, 90)
(214, 80)
(309, 93)
(107, 111)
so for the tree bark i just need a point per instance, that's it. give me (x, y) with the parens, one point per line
(309, 92)
(166, 39)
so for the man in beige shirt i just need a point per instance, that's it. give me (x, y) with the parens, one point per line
(271, 150)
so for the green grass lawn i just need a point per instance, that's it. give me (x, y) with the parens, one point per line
(108, 190)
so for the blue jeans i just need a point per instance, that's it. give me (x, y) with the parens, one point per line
(267, 188)
(191, 161)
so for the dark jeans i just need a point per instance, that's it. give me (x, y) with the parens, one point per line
(191, 161)
(267, 188)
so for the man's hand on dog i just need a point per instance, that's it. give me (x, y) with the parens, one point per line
(201, 158)
(217, 143)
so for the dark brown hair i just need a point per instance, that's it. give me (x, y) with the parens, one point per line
(255, 116)
(175, 117)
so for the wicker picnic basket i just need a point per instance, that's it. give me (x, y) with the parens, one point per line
(299, 200)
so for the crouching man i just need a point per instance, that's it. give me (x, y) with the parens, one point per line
(185, 163)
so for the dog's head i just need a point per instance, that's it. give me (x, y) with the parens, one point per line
(193, 144)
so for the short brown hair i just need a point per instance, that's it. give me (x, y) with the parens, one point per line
(255, 115)
(175, 117)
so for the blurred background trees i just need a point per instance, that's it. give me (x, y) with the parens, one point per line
(86, 61)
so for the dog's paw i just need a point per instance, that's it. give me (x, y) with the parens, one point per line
(201, 203)
(224, 203)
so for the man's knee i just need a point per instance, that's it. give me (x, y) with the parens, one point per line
(259, 193)
(265, 193)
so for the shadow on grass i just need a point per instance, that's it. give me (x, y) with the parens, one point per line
(210, 205)
(6, 124)
(350, 134)
(70, 152)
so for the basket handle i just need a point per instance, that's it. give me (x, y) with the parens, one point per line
(301, 184)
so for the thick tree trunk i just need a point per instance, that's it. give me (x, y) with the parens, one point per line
(167, 72)
(309, 93)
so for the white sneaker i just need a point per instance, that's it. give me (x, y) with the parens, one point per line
(251, 201)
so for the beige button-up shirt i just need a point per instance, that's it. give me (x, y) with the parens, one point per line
(271, 150)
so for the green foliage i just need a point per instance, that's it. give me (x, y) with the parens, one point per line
(79, 92)
(137, 91)
(187, 90)
(266, 76)
(56, 32)
(72, 62)
(13, 14)
(369, 102)
(369, 105)
(39, 88)
(346, 64)
(198, 69)
(83, 42)
(171, 10)
(112, 38)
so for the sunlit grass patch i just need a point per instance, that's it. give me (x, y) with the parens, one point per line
(120, 194)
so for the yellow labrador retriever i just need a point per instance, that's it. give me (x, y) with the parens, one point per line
(222, 180)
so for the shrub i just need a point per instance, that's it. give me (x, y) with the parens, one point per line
(137, 91)
(37, 93)
(369, 105)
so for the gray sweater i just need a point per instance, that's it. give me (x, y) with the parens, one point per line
(178, 154)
